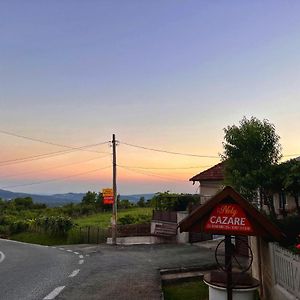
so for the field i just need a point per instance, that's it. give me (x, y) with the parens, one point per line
(103, 219)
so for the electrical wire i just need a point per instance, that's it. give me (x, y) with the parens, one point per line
(159, 168)
(153, 175)
(55, 179)
(51, 143)
(41, 156)
(169, 152)
(56, 167)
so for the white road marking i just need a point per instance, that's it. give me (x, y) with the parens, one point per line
(74, 273)
(76, 253)
(80, 256)
(81, 261)
(2, 257)
(54, 293)
(87, 255)
(61, 248)
(69, 250)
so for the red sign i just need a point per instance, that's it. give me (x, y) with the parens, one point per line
(108, 199)
(108, 196)
(228, 217)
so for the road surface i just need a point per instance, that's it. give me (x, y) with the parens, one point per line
(31, 272)
(91, 272)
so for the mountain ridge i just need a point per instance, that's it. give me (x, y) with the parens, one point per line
(64, 198)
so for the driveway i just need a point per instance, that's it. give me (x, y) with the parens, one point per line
(130, 272)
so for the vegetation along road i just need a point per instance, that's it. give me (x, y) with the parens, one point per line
(36, 272)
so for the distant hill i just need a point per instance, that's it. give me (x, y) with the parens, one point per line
(136, 198)
(50, 200)
(62, 199)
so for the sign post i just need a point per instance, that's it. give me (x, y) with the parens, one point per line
(229, 214)
(108, 196)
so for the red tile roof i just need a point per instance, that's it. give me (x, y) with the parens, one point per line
(214, 173)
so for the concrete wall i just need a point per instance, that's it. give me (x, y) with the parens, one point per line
(209, 189)
(182, 237)
(262, 267)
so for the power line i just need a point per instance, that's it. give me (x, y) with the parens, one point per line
(152, 175)
(161, 168)
(55, 179)
(41, 156)
(56, 167)
(53, 144)
(169, 152)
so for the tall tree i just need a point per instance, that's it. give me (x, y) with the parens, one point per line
(292, 181)
(89, 198)
(249, 150)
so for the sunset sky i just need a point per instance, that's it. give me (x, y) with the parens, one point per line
(167, 75)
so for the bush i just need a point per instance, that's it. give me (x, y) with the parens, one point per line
(57, 225)
(4, 231)
(127, 219)
(291, 228)
(130, 219)
(18, 226)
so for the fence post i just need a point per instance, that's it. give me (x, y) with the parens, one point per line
(271, 251)
(97, 235)
(88, 234)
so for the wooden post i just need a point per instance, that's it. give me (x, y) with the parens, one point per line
(114, 215)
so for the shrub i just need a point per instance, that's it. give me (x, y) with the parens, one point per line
(127, 219)
(130, 219)
(4, 231)
(18, 226)
(57, 225)
(291, 228)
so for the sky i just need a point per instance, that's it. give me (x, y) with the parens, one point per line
(167, 75)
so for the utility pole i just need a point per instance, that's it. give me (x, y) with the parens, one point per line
(115, 204)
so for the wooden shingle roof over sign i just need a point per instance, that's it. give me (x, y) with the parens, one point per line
(214, 173)
(202, 219)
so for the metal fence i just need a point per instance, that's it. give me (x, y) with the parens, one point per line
(286, 269)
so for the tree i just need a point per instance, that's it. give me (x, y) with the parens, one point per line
(173, 202)
(273, 182)
(141, 202)
(249, 150)
(89, 198)
(292, 181)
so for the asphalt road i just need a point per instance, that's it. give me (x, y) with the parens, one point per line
(104, 272)
(31, 272)
(130, 272)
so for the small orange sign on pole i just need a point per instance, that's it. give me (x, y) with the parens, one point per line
(108, 196)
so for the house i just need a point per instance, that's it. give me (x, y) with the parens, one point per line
(211, 181)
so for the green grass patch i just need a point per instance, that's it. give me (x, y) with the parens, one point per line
(192, 290)
(39, 238)
(103, 219)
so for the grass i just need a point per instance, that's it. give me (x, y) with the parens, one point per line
(192, 290)
(103, 219)
(39, 238)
